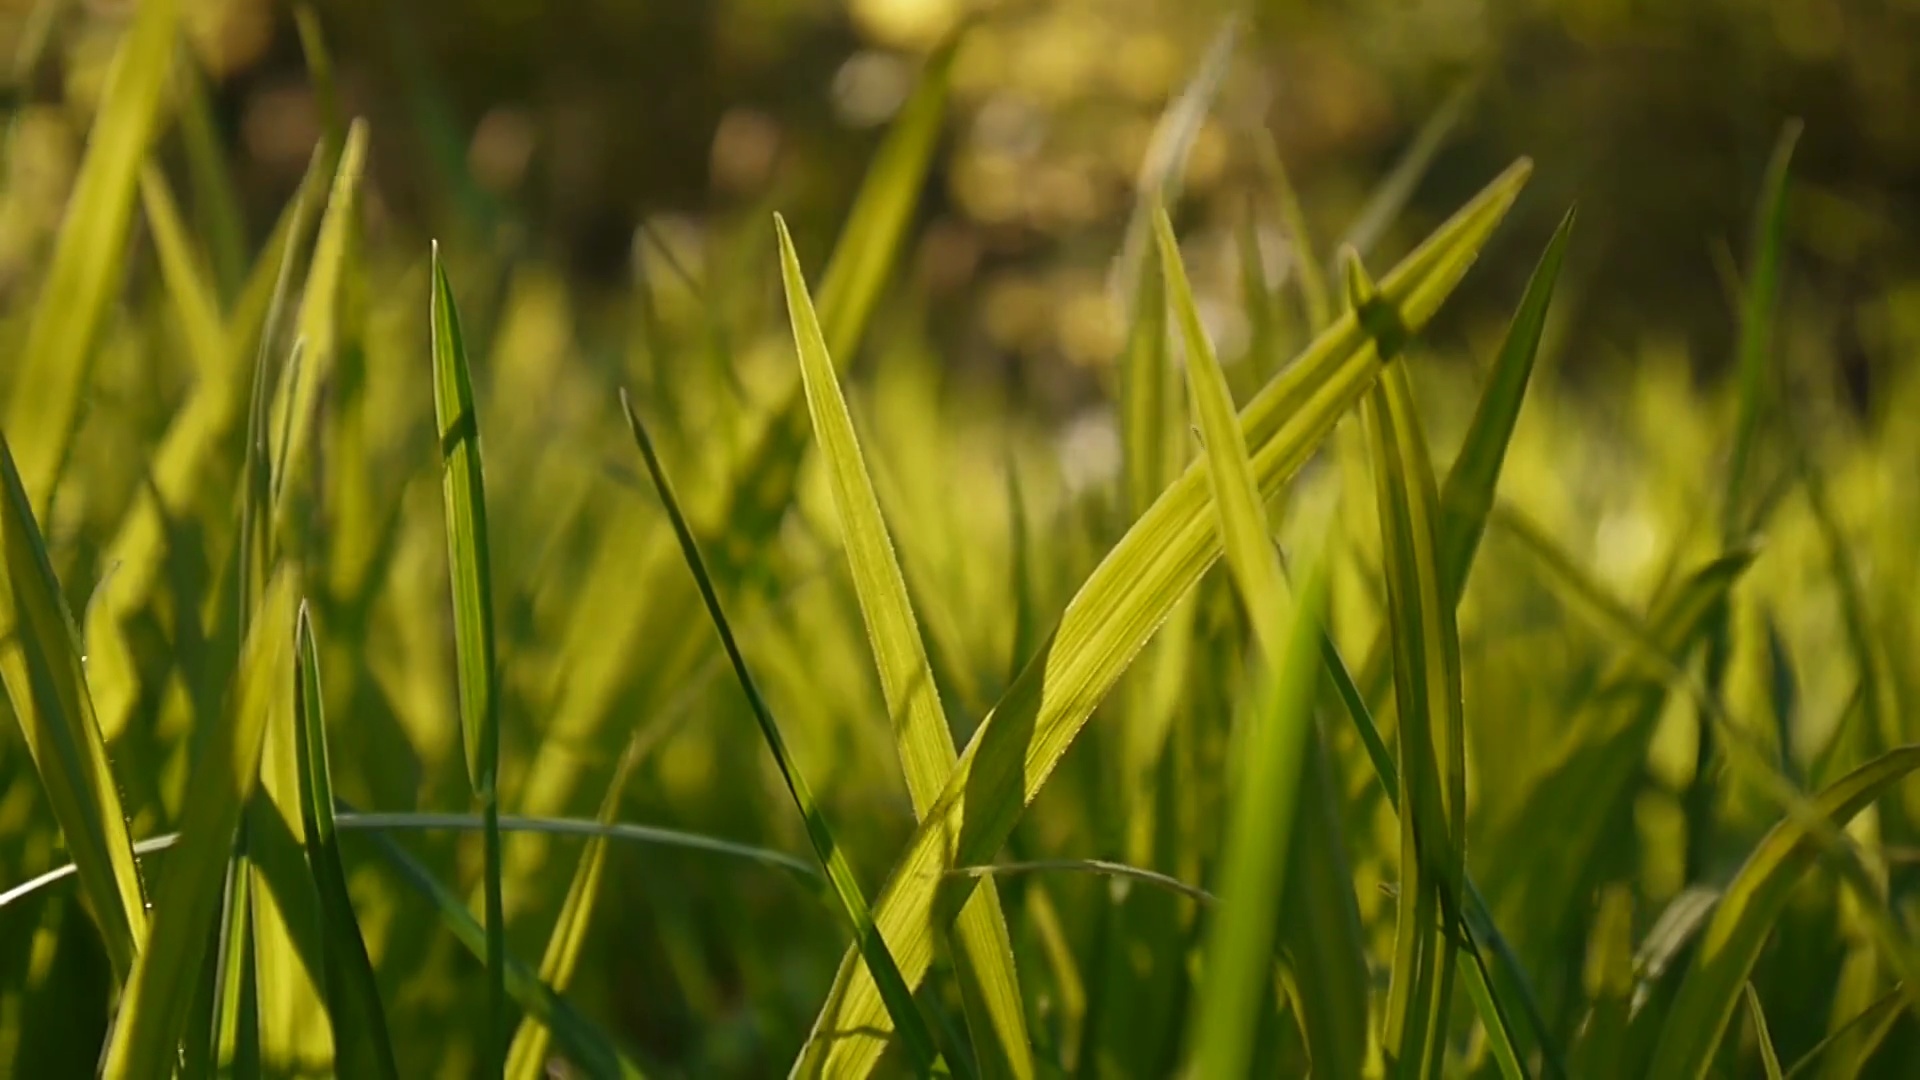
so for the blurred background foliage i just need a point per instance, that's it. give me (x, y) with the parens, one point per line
(602, 175)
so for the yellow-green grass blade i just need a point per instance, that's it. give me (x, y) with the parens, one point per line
(1758, 302)
(45, 682)
(1426, 653)
(1496, 976)
(363, 1044)
(313, 47)
(1870, 1026)
(216, 199)
(989, 982)
(1315, 298)
(1275, 742)
(1608, 980)
(1152, 438)
(1769, 1058)
(871, 945)
(195, 300)
(1745, 918)
(153, 1010)
(1117, 610)
(465, 502)
(1467, 496)
(583, 1042)
(50, 382)
(1276, 739)
(868, 246)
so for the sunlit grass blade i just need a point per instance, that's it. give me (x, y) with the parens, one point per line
(1016, 748)
(1275, 736)
(872, 946)
(50, 380)
(152, 1012)
(362, 1041)
(1871, 1027)
(45, 681)
(464, 492)
(989, 983)
(583, 1042)
(1467, 495)
(1758, 304)
(1746, 915)
(1427, 690)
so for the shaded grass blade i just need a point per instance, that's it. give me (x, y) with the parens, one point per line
(1276, 738)
(1870, 1027)
(1117, 610)
(872, 946)
(1745, 917)
(364, 1045)
(464, 492)
(1769, 1059)
(1757, 305)
(1427, 690)
(153, 1011)
(45, 681)
(194, 298)
(989, 982)
(50, 382)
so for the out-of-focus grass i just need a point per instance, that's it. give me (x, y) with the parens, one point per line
(981, 647)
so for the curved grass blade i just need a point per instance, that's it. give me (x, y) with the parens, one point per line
(50, 382)
(1427, 690)
(1751, 904)
(1117, 610)
(353, 995)
(586, 1044)
(1100, 867)
(989, 982)
(44, 677)
(872, 946)
(1275, 737)
(1769, 1059)
(1871, 1026)
(464, 491)
(153, 1010)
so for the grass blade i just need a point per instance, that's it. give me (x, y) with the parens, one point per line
(194, 299)
(1432, 743)
(989, 983)
(871, 945)
(50, 383)
(1870, 1026)
(1751, 904)
(1769, 1059)
(45, 680)
(1016, 747)
(152, 1012)
(1275, 736)
(353, 995)
(464, 491)
(1393, 193)
(1757, 305)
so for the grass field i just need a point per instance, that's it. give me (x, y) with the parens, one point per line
(406, 675)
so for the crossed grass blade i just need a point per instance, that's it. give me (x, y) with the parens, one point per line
(989, 982)
(1116, 611)
(871, 945)
(1277, 747)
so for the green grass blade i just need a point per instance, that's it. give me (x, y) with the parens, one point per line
(1152, 437)
(1394, 192)
(464, 492)
(1748, 909)
(1015, 749)
(45, 680)
(1315, 298)
(50, 382)
(1276, 737)
(216, 199)
(1871, 1026)
(1769, 1058)
(1427, 681)
(353, 995)
(152, 1012)
(194, 298)
(872, 946)
(584, 1043)
(989, 982)
(1757, 306)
